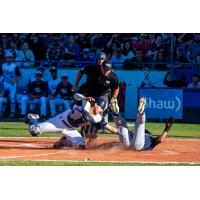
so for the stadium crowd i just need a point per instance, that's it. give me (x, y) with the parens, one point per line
(128, 51)
(55, 51)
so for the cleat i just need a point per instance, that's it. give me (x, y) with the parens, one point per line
(169, 123)
(34, 130)
(142, 103)
(30, 116)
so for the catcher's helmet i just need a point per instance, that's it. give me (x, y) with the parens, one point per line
(100, 102)
(101, 56)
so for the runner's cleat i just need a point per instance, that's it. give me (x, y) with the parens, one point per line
(142, 103)
(169, 123)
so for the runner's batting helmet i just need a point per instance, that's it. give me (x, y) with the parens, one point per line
(101, 56)
(100, 102)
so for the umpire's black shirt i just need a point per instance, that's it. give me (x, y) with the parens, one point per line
(97, 84)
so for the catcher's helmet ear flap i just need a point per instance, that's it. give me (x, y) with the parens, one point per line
(100, 102)
(101, 56)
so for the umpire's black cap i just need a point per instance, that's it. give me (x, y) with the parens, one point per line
(101, 56)
(107, 65)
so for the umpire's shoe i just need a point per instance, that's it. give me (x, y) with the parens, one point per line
(142, 103)
(169, 123)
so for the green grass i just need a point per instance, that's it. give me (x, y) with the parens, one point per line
(19, 129)
(68, 163)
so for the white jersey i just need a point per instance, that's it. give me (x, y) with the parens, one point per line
(8, 72)
(52, 84)
(80, 116)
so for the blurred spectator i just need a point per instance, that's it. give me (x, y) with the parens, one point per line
(62, 96)
(83, 41)
(195, 82)
(26, 56)
(3, 99)
(152, 39)
(118, 58)
(142, 43)
(56, 49)
(38, 48)
(100, 41)
(127, 50)
(37, 94)
(136, 62)
(115, 38)
(86, 57)
(193, 48)
(72, 50)
(21, 41)
(180, 58)
(15, 37)
(169, 82)
(160, 60)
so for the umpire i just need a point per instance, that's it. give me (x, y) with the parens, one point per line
(101, 82)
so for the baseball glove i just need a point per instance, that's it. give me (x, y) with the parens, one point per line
(114, 105)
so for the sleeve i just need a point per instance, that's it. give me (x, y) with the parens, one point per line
(17, 71)
(85, 69)
(101, 124)
(115, 81)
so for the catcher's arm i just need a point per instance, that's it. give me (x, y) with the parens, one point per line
(110, 128)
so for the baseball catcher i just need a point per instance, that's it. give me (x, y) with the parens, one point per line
(87, 111)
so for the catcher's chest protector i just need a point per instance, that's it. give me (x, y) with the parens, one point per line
(81, 116)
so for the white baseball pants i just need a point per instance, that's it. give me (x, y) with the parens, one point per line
(56, 125)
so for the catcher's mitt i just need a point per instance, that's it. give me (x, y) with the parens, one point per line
(114, 105)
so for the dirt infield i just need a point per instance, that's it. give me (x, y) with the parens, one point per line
(106, 149)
